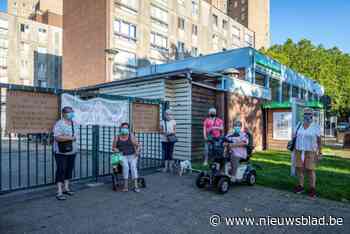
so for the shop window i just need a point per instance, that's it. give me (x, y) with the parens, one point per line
(295, 92)
(260, 79)
(275, 89)
(215, 20)
(285, 92)
(302, 94)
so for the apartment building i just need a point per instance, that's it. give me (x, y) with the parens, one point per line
(44, 11)
(30, 52)
(255, 15)
(107, 40)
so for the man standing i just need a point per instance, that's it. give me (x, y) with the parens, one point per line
(213, 129)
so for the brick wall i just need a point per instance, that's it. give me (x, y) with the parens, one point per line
(84, 42)
(249, 111)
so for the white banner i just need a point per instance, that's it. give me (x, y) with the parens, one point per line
(282, 125)
(97, 111)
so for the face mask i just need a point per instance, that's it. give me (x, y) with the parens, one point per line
(307, 119)
(212, 115)
(124, 131)
(237, 129)
(70, 115)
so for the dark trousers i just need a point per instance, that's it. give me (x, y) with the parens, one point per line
(64, 167)
(168, 150)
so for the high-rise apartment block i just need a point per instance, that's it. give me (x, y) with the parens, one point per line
(255, 15)
(107, 40)
(30, 52)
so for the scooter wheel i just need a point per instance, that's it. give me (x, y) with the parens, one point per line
(201, 180)
(223, 185)
(251, 179)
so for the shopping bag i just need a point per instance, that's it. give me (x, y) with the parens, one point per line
(116, 159)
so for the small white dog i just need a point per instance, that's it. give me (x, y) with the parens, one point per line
(185, 166)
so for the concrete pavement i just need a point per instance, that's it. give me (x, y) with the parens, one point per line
(169, 204)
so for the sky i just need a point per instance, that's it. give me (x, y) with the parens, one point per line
(325, 22)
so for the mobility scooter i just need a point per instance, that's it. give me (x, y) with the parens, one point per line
(218, 176)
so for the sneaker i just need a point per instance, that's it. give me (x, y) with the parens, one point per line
(298, 189)
(312, 193)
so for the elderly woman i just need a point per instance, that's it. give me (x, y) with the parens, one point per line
(236, 146)
(65, 151)
(168, 130)
(127, 144)
(308, 151)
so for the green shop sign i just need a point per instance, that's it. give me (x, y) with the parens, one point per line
(267, 63)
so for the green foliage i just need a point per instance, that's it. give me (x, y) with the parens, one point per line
(329, 67)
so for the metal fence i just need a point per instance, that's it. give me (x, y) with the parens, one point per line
(27, 161)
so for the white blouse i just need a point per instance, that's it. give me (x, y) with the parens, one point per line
(307, 138)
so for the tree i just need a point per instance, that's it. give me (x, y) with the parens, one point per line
(329, 67)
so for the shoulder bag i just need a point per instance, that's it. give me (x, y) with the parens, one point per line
(66, 146)
(291, 143)
(170, 137)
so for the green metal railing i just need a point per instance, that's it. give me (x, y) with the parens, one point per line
(27, 161)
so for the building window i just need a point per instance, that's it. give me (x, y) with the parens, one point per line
(243, 16)
(275, 89)
(24, 28)
(159, 41)
(248, 39)
(302, 94)
(285, 92)
(24, 71)
(3, 57)
(124, 65)
(195, 8)
(215, 20)
(194, 30)
(243, 9)
(295, 92)
(242, 2)
(159, 14)
(235, 4)
(125, 29)
(194, 51)
(260, 79)
(180, 47)
(181, 23)
(236, 32)
(131, 4)
(224, 24)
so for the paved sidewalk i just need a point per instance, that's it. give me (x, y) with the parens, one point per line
(170, 204)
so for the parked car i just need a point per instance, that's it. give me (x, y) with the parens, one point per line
(343, 126)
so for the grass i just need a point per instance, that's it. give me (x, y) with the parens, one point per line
(273, 170)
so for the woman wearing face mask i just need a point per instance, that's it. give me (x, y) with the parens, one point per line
(168, 127)
(127, 144)
(308, 151)
(236, 146)
(65, 151)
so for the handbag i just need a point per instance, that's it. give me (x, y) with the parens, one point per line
(291, 143)
(66, 146)
(170, 137)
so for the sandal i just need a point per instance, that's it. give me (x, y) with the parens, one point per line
(137, 190)
(60, 197)
(69, 193)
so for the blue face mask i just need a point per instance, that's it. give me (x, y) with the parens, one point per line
(308, 119)
(124, 131)
(70, 115)
(237, 129)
